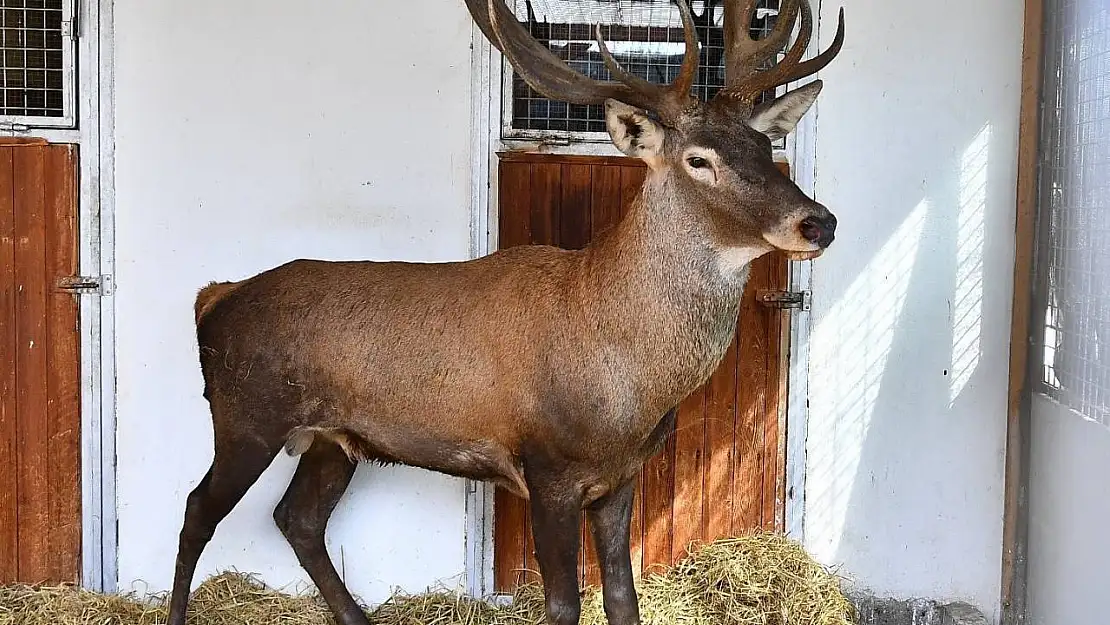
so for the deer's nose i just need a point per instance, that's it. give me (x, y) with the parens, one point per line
(818, 230)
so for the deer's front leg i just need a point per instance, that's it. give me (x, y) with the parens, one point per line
(610, 519)
(555, 516)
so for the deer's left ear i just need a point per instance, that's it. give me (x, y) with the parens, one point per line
(634, 133)
(777, 118)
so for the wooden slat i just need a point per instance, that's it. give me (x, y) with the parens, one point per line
(632, 181)
(33, 458)
(770, 415)
(514, 222)
(778, 342)
(659, 491)
(576, 207)
(545, 204)
(508, 539)
(636, 530)
(569, 159)
(63, 383)
(530, 569)
(1015, 525)
(21, 141)
(720, 435)
(747, 498)
(9, 426)
(689, 473)
(607, 198)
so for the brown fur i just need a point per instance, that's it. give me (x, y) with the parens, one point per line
(210, 295)
(551, 373)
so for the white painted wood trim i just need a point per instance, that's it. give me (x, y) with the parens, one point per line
(95, 113)
(802, 144)
(478, 539)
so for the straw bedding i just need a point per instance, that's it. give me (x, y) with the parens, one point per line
(759, 579)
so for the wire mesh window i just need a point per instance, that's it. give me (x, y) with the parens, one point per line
(36, 62)
(645, 36)
(1074, 265)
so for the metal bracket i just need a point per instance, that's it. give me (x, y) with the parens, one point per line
(86, 285)
(784, 299)
(13, 128)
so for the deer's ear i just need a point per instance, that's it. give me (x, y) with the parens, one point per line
(777, 118)
(634, 133)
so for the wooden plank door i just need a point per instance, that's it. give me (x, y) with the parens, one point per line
(722, 470)
(40, 468)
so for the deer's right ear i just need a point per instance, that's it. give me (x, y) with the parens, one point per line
(634, 133)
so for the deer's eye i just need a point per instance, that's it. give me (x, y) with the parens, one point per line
(697, 162)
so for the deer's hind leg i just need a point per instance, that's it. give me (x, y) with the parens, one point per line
(322, 476)
(240, 458)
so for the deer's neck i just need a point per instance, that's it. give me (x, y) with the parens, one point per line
(664, 293)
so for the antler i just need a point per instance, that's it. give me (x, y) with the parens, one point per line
(744, 78)
(550, 76)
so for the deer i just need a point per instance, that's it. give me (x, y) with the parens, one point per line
(551, 373)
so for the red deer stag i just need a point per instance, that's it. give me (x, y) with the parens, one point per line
(551, 373)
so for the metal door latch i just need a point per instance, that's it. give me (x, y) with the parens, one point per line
(86, 285)
(784, 299)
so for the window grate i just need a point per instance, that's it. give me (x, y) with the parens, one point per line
(35, 59)
(1074, 273)
(645, 36)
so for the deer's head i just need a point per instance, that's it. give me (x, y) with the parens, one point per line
(717, 154)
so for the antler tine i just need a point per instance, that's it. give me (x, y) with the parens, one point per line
(744, 55)
(789, 69)
(672, 97)
(538, 66)
(692, 56)
(817, 63)
(767, 79)
(549, 75)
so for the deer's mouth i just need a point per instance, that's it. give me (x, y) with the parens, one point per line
(799, 256)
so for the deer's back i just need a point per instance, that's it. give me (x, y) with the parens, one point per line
(399, 349)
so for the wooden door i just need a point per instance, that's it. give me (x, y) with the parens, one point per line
(722, 470)
(40, 468)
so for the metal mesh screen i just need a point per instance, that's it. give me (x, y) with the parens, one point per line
(32, 82)
(645, 36)
(1074, 263)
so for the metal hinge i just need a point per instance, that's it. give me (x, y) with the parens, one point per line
(86, 285)
(784, 299)
(72, 26)
(11, 127)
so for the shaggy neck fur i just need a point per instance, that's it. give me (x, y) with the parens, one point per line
(664, 294)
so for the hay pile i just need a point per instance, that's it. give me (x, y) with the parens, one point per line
(761, 579)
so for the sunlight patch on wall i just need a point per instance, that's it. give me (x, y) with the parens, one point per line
(966, 309)
(850, 349)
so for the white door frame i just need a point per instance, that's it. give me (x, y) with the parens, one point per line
(95, 219)
(96, 116)
(486, 102)
(93, 135)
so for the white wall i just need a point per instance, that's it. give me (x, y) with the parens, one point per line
(1069, 504)
(250, 133)
(916, 152)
